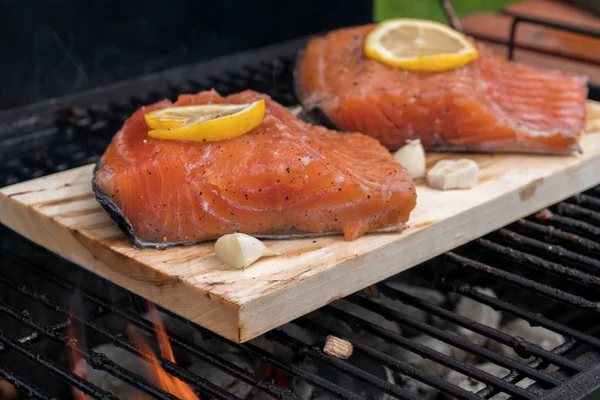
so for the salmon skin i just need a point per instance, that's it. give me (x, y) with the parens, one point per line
(284, 178)
(490, 104)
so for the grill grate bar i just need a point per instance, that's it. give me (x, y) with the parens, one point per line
(530, 260)
(147, 326)
(247, 347)
(557, 252)
(452, 339)
(391, 362)
(515, 377)
(307, 376)
(84, 133)
(429, 353)
(355, 372)
(170, 367)
(521, 346)
(55, 369)
(534, 318)
(550, 233)
(575, 211)
(555, 294)
(570, 224)
(265, 356)
(94, 359)
(586, 200)
(221, 363)
(28, 388)
(36, 336)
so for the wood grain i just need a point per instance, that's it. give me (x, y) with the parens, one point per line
(548, 61)
(496, 28)
(60, 213)
(554, 11)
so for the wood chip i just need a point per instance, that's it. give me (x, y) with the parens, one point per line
(340, 348)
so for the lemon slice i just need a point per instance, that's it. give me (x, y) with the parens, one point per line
(419, 45)
(206, 122)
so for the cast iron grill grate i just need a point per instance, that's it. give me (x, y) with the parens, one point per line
(544, 269)
(561, 298)
(71, 136)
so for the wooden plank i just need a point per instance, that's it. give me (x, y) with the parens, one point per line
(554, 11)
(496, 28)
(548, 61)
(60, 213)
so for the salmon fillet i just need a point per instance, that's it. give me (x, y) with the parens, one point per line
(490, 104)
(283, 177)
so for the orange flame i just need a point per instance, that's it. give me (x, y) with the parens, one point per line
(167, 382)
(74, 359)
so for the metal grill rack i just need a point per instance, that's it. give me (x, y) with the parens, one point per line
(556, 296)
(544, 269)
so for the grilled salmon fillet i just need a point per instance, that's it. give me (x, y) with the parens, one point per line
(490, 104)
(284, 177)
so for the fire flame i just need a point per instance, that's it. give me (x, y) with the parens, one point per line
(74, 357)
(166, 382)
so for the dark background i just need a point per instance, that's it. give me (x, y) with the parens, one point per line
(49, 48)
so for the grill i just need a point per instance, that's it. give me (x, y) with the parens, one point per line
(544, 269)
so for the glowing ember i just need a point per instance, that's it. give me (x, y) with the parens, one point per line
(280, 378)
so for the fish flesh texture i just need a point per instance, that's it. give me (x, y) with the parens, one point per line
(285, 177)
(490, 104)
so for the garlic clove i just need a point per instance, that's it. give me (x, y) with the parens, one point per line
(412, 157)
(239, 250)
(453, 174)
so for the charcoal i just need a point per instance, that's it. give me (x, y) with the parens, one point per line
(533, 334)
(223, 379)
(306, 391)
(422, 390)
(421, 363)
(367, 315)
(429, 295)
(347, 329)
(473, 385)
(477, 312)
(283, 352)
(107, 382)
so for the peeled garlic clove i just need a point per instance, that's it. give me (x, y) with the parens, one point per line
(453, 174)
(412, 157)
(239, 250)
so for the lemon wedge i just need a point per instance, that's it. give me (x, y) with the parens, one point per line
(419, 45)
(206, 122)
